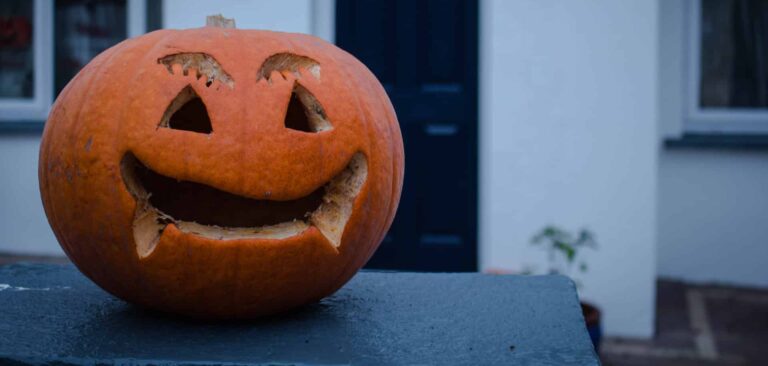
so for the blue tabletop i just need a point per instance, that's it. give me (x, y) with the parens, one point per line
(53, 314)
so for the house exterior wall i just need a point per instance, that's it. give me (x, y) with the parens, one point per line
(713, 216)
(23, 226)
(283, 15)
(568, 136)
(712, 201)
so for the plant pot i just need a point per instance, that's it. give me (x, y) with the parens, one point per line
(592, 320)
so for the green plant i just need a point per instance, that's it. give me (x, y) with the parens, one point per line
(564, 248)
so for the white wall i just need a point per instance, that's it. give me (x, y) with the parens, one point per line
(713, 202)
(713, 216)
(283, 15)
(315, 17)
(23, 226)
(568, 136)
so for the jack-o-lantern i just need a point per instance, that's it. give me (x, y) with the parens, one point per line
(221, 173)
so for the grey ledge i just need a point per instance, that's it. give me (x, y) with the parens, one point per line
(54, 315)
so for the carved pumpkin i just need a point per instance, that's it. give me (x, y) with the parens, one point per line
(221, 173)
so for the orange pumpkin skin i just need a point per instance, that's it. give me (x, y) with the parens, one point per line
(113, 107)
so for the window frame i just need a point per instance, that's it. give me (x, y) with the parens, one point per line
(24, 113)
(742, 121)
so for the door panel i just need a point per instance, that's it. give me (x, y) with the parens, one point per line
(425, 54)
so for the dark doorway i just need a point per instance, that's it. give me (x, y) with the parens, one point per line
(425, 55)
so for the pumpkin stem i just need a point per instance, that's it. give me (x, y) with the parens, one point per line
(218, 20)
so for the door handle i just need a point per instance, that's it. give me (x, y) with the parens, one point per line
(441, 240)
(441, 129)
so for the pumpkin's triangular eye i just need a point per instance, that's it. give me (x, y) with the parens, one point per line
(305, 113)
(187, 112)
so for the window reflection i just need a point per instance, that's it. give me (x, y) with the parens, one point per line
(16, 49)
(85, 28)
(734, 54)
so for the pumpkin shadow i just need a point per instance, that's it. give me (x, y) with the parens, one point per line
(325, 332)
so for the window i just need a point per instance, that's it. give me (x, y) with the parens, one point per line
(728, 67)
(25, 61)
(40, 52)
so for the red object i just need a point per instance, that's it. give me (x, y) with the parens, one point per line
(15, 32)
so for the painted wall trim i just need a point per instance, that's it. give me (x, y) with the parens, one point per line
(671, 92)
(136, 13)
(324, 19)
(484, 131)
(21, 127)
(709, 140)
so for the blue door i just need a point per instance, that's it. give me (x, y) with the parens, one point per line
(425, 55)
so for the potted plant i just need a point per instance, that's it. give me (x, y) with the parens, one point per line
(564, 251)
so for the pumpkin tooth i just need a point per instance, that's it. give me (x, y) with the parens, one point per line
(332, 216)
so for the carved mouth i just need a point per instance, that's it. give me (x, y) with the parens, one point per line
(209, 212)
